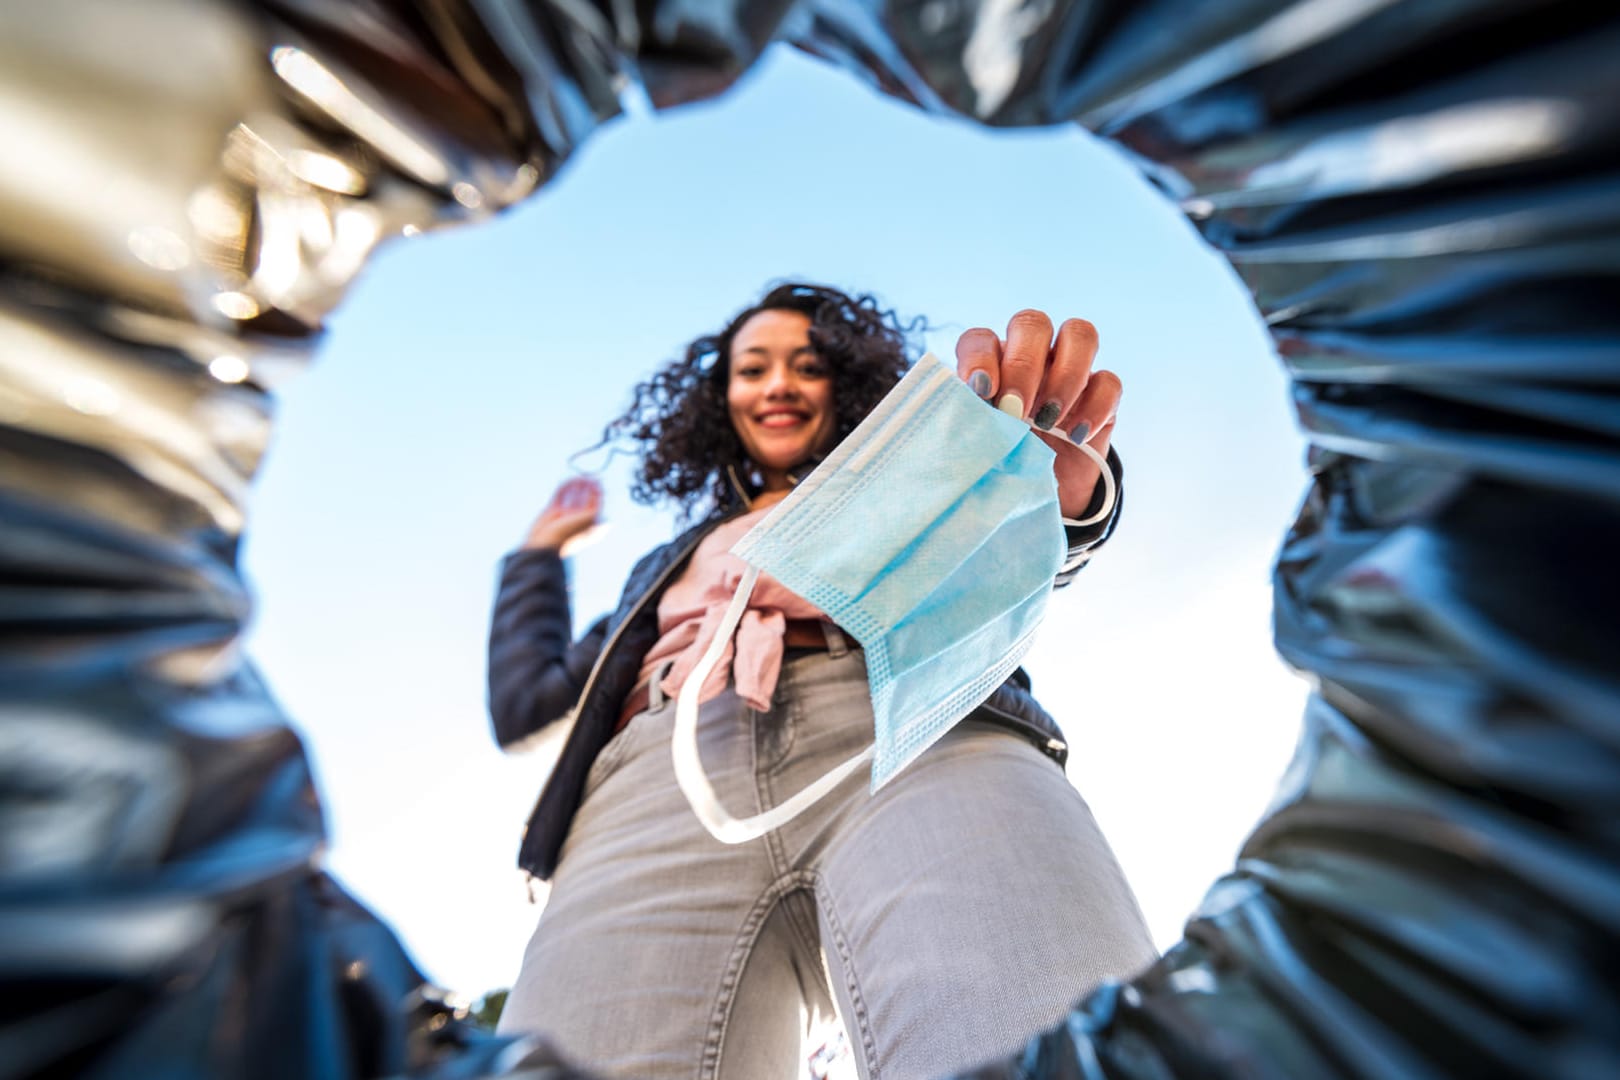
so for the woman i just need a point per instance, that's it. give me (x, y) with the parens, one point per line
(959, 910)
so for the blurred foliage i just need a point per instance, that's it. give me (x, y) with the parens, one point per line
(488, 1010)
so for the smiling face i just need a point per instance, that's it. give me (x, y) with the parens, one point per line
(779, 393)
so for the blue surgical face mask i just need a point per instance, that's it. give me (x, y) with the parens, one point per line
(932, 535)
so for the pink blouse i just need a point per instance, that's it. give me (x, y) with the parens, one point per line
(690, 610)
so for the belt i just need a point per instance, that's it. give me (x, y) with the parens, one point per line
(797, 634)
(812, 634)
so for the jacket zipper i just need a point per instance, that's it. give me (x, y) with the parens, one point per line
(1049, 744)
(607, 649)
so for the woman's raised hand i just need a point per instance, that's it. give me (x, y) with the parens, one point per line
(574, 508)
(1051, 382)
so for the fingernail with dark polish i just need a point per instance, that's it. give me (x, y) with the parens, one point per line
(1079, 432)
(980, 384)
(1047, 416)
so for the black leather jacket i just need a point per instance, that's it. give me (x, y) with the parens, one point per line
(538, 677)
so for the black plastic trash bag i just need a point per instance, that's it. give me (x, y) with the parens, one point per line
(1423, 198)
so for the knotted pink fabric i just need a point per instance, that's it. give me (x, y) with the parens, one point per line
(691, 609)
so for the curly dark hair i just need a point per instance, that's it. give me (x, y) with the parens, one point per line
(679, 418)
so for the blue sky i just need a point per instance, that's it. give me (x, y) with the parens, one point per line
(468, 364)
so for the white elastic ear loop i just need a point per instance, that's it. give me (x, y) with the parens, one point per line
(1109, 491)
(694, 783)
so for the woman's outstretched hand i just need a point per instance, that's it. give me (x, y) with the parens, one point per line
(1033, 377)
(573, 509)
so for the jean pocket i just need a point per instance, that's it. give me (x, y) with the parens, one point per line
(611, 756)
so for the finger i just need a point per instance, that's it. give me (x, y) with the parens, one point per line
(1096, 408)
(587, 492)
(1067, 372)
(978, 361)
(576, 493)
(556, 526)
(1023, 361)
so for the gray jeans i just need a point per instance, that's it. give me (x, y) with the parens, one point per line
(952, 915)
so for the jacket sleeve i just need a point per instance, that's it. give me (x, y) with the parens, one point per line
(535, 673)
(1086, 539)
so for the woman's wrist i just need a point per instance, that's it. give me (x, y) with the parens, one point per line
(1099, 495)
(538, 543)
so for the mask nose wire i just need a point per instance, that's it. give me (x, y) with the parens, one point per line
(689, 774)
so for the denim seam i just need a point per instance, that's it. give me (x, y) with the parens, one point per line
(799, 922)
(851, 981)
(789, 712)
(790, 718)
(747, 937)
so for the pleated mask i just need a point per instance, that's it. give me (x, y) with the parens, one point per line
(932, 535)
